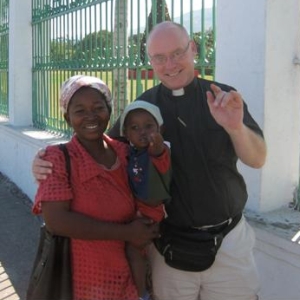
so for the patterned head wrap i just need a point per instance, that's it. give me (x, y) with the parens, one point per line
(74, 83)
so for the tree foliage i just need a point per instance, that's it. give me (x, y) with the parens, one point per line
(205, 45)
(94, 45)
(98, 46)
(61, 49)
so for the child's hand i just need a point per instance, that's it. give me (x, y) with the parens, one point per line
(156, 144)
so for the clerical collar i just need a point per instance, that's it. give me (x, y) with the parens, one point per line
(177, 93)
(181, 92)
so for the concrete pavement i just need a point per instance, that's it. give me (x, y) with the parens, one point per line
(19, 233)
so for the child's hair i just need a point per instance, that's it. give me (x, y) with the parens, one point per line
(74, 83)
(140, 104)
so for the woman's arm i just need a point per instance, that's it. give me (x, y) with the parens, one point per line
(60, 220)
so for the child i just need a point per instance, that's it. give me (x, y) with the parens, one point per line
(148, 170)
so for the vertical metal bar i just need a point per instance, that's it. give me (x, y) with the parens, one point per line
(181, 12)
(4, 53)
(191, 19)
(202, 45)
(214, 39)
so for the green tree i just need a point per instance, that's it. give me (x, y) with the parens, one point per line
(95, 45)
(206, 49)
(134, 42)
(61, 49)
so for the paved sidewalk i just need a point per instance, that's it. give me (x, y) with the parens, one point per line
(19, 233)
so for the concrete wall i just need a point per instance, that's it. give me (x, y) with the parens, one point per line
(17, 150)
(15, 157)
(258, 43)
(20, 63)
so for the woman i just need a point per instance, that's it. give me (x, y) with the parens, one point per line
(97, 212)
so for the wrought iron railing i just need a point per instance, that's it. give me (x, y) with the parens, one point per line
(107, 38)
(4, 35)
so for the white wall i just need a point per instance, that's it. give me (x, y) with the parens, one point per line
(17, 150)
(20, 63)
(257, 42)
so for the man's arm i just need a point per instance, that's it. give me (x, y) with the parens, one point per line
(227, 108)
(249, 146)
(41, 168)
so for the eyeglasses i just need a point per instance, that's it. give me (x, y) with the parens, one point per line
(176, 56)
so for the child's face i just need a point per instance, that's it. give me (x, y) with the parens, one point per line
(88, 114)
(138, 126)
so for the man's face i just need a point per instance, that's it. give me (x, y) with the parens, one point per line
(172, 55)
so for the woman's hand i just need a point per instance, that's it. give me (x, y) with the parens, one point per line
(142, 232)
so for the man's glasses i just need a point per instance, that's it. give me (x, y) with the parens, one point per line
(175, 57)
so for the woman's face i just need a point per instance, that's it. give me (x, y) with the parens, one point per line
(138, 126)
(88, 114)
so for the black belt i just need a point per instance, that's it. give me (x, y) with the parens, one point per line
(223, 227)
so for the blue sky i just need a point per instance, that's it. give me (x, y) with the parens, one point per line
(179, 6)
(73, 25)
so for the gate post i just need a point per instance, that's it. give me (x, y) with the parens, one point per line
(20, 63)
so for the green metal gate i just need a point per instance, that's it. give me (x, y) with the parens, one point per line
(106, 38)
(4, 6)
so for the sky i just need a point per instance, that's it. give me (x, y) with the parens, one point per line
(179, 6)
(99, 17)
(184, 5)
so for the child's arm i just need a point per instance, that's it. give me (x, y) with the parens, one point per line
(159, 153)
(162, 162)
(155, 213)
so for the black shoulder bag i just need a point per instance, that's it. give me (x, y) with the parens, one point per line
(51, 276)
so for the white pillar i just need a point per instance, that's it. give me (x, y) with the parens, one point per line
(20, 63)
(258, 44)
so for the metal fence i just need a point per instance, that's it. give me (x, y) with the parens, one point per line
(4, 57)
(106, 38)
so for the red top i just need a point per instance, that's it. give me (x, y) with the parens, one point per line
(100, 268)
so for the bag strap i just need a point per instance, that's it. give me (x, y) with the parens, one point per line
(64, 149)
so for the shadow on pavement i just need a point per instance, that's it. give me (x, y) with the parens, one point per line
(19, 233)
